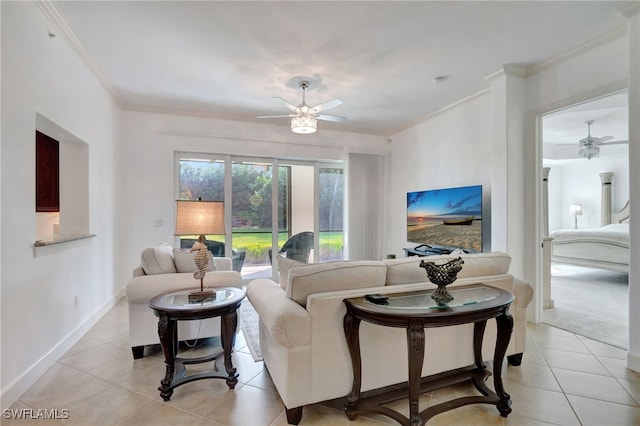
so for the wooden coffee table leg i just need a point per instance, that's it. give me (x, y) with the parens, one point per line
(478, 336)
(167, 332)
(415, 346)
(351, 326)
(505, 328)
(229, 325)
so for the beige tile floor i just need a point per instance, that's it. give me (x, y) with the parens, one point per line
(564, 379)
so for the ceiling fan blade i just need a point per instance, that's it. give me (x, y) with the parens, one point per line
(603, 139)
(326, 117)
(276, 116)
(288, 104)
(332, 103)
(615, 143)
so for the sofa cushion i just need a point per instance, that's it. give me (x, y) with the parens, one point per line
(408, 270)
(157, 260)
(332, 276)
(284, 265)
(185, 261)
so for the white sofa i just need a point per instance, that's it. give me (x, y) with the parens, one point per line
(302, 336)
(163, 269)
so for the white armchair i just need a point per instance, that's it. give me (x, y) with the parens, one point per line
(159, 273)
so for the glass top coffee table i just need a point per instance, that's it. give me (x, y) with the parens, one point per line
(175, 306)
(416, 311)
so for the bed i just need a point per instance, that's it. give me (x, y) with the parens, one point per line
(606, 247)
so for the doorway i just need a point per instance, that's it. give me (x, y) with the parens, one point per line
(585, 155)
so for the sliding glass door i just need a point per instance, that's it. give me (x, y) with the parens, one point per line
(202, 179)
(331, 213)
(252, 212)
(267, 202)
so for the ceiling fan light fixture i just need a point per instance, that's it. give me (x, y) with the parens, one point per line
(589, 151)
(304, 124)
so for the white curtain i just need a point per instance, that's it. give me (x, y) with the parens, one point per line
(365, 190)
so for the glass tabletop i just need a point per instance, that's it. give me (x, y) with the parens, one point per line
(181, 298)
(423, 300)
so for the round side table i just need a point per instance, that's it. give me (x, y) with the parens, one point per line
(175, 306)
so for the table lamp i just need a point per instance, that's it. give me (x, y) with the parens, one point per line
(576, 210)
(200, 218)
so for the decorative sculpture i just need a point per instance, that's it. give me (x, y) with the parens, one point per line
(442, 275)
(202, 260)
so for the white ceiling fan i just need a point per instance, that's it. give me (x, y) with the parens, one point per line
(590, 146)
(304, 118)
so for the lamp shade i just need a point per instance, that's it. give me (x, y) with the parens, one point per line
(199, 217)
(304, 124)
(576, 209)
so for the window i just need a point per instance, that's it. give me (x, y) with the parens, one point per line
(331, 213)
(268, 201)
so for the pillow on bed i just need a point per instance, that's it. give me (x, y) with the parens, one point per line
(618, 227)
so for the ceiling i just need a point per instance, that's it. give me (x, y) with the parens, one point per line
(229, 59)
(562, 130)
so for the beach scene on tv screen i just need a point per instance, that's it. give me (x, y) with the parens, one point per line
(450, 217)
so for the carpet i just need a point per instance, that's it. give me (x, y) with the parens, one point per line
(590, 302)
(249, 326)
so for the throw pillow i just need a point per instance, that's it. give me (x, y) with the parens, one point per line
(284, 265)
(157, 260)
(185, 261)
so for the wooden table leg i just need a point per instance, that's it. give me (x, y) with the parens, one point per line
(167, 332)
(415, 346)
(229, 326)
(505, 328)
(478, 336)
(352, 333)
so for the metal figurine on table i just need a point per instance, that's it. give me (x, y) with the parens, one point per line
(442, 276)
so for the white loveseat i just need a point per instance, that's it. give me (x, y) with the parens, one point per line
(163, 269)
(302, 336)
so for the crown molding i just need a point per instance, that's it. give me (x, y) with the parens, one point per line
(515, 70)
(619, 32)
(57, 19)
(526, 71)
(439, 111)
(627, 10)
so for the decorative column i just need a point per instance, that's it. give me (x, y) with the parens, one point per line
(509, 230)
(606, 198)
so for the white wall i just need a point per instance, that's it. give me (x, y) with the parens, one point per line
(454, 147)
(147, 171)
(578, 181)
(43, 75)
(451, 149)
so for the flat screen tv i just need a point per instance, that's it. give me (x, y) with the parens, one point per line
(447, 218)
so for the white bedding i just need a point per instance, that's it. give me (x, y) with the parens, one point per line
(617, 233)
(606, 247)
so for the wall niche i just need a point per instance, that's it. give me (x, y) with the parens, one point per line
(62, 184)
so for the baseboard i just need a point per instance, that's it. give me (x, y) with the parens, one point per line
(14, 390)
(633, 361)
